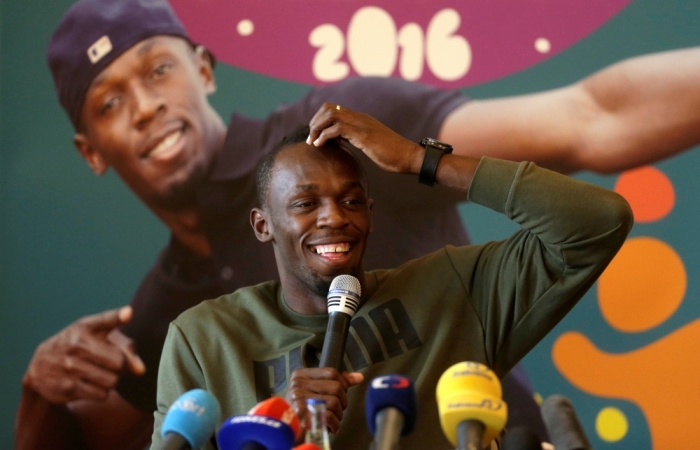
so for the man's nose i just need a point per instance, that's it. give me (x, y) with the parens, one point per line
(332, 215)
(147, 102)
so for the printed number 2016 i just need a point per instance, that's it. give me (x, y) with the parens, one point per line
(373, 44)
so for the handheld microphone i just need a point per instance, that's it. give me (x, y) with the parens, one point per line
(563, 427)
(343, 302)
(472, 413)
(307, 446)
(391, 410)
(190, 421)
(270, 425)
(520, 438)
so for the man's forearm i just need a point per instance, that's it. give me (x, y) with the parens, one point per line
(647, 109)
(41, 424)
(638, 111)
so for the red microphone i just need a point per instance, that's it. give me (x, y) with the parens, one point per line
(278, 408)
(307, 446)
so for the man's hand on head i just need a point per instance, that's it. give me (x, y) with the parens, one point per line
(323, 383)
(387, 149)
(83, 361)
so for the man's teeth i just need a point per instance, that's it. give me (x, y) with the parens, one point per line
(166, 143)
(333, 248)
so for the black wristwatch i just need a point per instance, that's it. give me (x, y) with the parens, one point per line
(434, 150)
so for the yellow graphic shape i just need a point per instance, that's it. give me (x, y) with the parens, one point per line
(649, 192)
(661, 379)
(643, 285)
(611, 424)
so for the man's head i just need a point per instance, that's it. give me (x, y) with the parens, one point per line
(135, 89)
(316, 212)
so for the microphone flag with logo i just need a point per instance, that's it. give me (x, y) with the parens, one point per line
(469, 398)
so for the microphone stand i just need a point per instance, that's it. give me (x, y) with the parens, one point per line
(470, 435)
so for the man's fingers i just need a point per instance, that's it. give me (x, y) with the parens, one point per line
(96, 350)
(85, 390)
(332, 421)
(107, 320)
(353, 378)
(126, 345)
(329, 123)
(322, 119)
(90, 373)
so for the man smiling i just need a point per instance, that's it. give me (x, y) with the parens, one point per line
(135, 88)
(490, 303)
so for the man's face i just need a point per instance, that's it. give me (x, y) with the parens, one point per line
(147, 116)
(320, 216)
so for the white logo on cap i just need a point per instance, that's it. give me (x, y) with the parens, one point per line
(100, 48)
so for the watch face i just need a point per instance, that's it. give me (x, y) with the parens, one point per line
(446, 148)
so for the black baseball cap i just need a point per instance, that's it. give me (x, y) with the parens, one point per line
(93, 33)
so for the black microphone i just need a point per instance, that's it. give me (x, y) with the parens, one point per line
(563, 427)
(520, 438)
(343, 301)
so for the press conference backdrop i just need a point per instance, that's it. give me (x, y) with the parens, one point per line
(74, 244)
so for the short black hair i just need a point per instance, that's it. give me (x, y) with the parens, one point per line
(267, 163)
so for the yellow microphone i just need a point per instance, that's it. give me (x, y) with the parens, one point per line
(472, 413)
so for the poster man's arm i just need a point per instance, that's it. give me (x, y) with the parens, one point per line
(632, 113)
(68, 398)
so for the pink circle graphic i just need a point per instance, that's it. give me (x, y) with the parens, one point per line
(443, 43)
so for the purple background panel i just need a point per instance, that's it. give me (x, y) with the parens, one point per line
(501, 34)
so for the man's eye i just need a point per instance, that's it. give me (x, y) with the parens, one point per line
(109, 105)
(354, 201)
(161, 69)
(303, 205)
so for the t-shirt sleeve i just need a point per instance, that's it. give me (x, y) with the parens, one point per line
(179, 372)
(523, 286)
(170, 287)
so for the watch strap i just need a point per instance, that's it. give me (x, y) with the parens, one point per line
(434, 150)
(430, 164)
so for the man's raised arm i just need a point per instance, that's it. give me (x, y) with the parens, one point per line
(570, 231)
(635, 112)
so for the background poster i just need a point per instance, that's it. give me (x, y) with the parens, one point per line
(72, 244)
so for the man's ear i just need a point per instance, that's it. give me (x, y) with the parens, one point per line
(261, 225)
(89, 154)
(206, 68)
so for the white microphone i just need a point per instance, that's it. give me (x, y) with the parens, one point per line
(343, 302)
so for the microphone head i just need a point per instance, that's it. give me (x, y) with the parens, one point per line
(307, 446)
(470, 390)
(520, 438)
(392, 391)
(237, 431)
(194, 416)
(562, 424)
(277, 408)
(344, 295)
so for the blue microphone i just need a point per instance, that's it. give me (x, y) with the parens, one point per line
(391, 410)
(255, 432)
(190, 421)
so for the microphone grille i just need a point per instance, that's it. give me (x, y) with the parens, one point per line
(346, 283)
